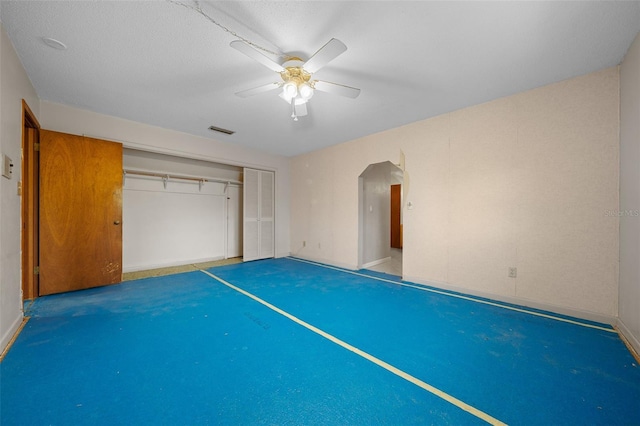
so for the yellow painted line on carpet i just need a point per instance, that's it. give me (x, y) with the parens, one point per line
(437, 392)
(459, 296)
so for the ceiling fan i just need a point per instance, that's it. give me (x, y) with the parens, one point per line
(296, 83)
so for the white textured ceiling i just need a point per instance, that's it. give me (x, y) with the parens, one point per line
(159, 63)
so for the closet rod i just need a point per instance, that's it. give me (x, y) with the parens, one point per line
(183, 177)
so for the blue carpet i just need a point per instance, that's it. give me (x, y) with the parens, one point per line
(185, 349)
(517, 367)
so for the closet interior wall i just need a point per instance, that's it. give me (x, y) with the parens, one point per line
(168, 221)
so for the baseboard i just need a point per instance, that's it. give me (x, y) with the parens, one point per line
(137, 268)
(326, 262)
(376, 262)
(8, 335)
(633, 341)
(576, 313)
(561, 310)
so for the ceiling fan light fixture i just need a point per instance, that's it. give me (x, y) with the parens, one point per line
(290, 90)
(306, 91)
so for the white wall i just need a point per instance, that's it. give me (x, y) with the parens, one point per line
(629, 322)
(144, 160)
(376, 216)
(523, 181)
(14, 86)
(155, 139)
(234, 221)
(179, 225)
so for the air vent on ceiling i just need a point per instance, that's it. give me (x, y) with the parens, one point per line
(221, 130)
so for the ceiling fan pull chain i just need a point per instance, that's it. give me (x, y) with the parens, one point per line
(293, 109)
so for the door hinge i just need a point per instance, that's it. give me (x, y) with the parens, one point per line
(36, 147)
(36, 270)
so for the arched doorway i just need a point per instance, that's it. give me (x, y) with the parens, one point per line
(375, 218)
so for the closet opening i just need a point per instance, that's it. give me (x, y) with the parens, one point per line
(179, 211)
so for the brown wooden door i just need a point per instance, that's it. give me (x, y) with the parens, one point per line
(396, 221)
(80, 212)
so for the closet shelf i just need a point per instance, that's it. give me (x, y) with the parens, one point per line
(167, 176)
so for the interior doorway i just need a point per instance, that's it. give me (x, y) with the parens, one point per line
(380, 218)
(396, 216)
(29, 188)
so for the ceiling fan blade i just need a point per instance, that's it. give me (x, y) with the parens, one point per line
(336, 89)
(243, 47)
(326, 54)
(257, 90)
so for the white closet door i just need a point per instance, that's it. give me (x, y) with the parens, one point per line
(258, 206)
(266, 215)
(251, 204)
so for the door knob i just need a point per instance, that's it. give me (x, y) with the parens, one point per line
(116, 222)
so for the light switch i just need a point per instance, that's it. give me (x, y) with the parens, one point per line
(7, 166)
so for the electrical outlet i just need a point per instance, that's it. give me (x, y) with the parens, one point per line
(304, 244)
(513, 272)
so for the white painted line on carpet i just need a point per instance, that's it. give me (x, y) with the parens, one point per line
(435, 391)
(459, 296)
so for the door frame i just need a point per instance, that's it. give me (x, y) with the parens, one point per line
(29, 191)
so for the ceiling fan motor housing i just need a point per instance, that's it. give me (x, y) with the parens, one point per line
(296, 80)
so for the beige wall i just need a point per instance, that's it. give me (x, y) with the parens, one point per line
(629, 322)
(14, 86)
(524, 181)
